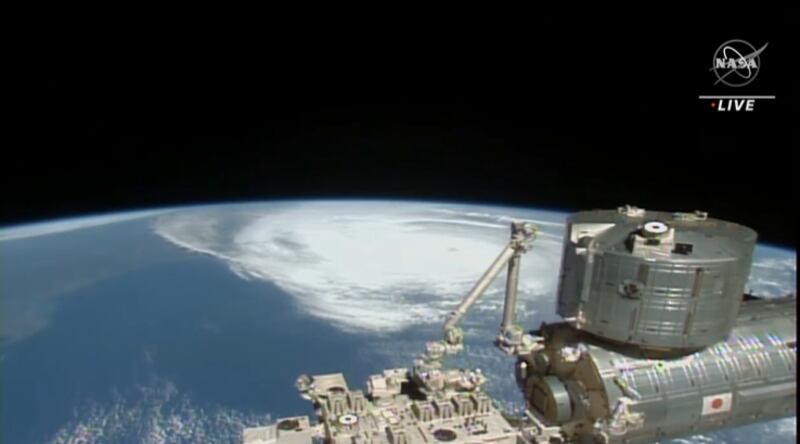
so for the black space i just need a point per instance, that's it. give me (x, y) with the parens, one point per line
(540, 110)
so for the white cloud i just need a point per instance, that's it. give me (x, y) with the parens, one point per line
(377, 266)
(60, 226)
(155, 413)
(786, 263)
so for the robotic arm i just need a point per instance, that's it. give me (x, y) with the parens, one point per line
(511, 338)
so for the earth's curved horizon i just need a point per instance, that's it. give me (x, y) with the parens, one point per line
(185, 324)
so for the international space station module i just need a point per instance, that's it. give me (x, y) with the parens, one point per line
(658, 339)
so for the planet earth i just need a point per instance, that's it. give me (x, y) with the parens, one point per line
(187, 324)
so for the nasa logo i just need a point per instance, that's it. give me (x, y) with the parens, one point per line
(720, 403)
(736, 63)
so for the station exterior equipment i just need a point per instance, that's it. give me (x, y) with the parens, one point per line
(656, 280)
(658, 340)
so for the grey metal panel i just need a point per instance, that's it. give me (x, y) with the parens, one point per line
(452, 416)
(773, 400)
(570, 281)
(294, 430)
(681, 300)
(762, 393)
(752, 373)
(681, 410)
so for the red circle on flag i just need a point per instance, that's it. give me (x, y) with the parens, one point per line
(716, 403)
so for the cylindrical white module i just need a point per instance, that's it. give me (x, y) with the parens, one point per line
(618, 397)
(659, 280)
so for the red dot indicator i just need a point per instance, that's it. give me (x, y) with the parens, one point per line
(716, 403)
(713, 104)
